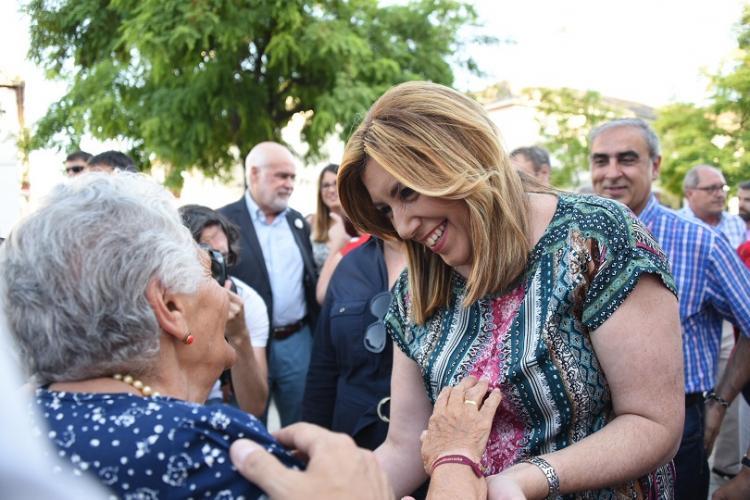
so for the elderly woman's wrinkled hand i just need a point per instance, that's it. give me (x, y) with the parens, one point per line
(461, 422)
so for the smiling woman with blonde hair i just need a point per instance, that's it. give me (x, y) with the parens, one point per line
(539, 293)
(457, 155)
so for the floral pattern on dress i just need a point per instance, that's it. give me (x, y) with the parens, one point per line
(152, 448)
(533, 342)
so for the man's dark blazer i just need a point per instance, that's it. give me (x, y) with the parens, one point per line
(251, 267)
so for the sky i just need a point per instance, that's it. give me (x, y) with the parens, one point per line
(654, 52)
(650, 51)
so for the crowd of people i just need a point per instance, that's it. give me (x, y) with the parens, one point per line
(446, 325)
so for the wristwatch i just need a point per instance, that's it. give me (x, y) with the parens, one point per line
(746, 461)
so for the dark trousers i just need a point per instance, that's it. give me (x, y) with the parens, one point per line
(691, 461)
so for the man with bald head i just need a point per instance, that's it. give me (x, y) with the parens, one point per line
(276, 260)
(706, 191)
(712, 282)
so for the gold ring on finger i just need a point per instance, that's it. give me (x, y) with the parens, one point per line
(470, 402)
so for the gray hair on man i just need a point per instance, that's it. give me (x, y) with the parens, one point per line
(74, 274)
(648, 134)
(692, 176)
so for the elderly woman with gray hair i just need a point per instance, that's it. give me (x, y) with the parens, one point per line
(117, 316)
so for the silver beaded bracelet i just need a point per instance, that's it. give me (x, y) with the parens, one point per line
(712, 396)
(549, 472)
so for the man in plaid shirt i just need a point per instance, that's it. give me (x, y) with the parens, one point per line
(712, 282)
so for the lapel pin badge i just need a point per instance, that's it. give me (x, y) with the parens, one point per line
(298, 223)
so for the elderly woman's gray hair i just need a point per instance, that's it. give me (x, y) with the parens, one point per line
(73, 276)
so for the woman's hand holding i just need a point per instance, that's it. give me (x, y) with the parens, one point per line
(461, 422)
(338, 238)
(236, 329)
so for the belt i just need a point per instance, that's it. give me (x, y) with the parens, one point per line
(282, 332)
(693, 398)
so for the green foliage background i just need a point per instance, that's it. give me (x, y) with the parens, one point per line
(565, 117)
(198, 83)
(716, 133)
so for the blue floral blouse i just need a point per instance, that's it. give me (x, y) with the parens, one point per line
(153, 448)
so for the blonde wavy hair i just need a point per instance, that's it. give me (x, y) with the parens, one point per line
(442, 144)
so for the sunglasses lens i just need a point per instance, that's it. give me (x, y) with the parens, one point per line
(379, 304)
(375, 337)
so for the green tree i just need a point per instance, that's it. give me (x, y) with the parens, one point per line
(689, 135)
(198, 83)
(565, 117)
(731, 107)
(716, 133)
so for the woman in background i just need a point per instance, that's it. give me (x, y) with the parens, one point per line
(348, 385)
(248, 385)
(328, 230)
(331, 230)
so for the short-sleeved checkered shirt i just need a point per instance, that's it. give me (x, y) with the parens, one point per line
(731, 226)
(713, 284)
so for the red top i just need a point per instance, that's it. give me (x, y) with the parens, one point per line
(356, 242)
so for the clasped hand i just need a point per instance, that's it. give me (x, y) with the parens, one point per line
(461, 422)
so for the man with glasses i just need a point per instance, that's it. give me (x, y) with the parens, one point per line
(349, 383)
(75, 163)
(712, 282)
(743, 194)
(706, 193)
(705, 190)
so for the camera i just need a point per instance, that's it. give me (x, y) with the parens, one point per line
(219, 267)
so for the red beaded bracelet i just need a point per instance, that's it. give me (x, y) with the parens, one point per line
(457, 459)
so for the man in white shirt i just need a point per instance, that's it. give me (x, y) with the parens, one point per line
(276, 260)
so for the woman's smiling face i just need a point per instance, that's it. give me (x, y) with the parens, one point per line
(440, 224)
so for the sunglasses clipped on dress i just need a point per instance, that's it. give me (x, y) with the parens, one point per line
(375, 336)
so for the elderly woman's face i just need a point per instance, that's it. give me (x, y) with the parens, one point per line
(207, 318)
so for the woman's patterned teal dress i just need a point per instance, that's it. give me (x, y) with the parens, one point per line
(534, 341)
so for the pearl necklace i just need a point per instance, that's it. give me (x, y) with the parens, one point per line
(145, 390)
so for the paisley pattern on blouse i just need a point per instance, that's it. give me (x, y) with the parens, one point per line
(534, 342)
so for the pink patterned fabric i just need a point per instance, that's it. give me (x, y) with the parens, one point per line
(507, 432)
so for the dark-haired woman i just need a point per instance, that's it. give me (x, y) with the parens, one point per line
(247, 328)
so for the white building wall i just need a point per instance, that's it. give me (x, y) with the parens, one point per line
(516, 122)
(10, 164)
